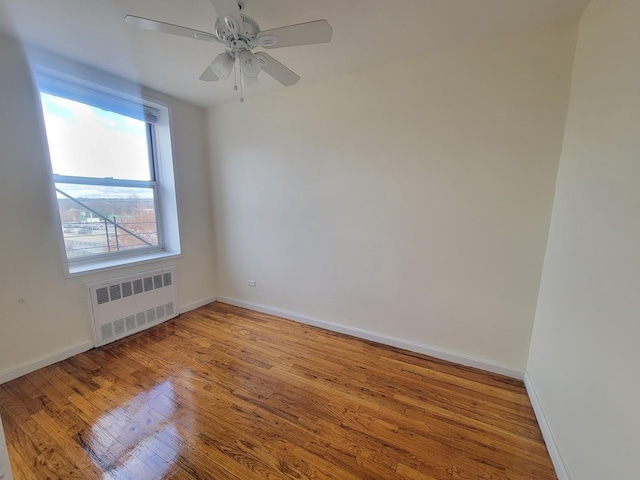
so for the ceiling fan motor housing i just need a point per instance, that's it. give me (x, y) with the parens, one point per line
(247, 32)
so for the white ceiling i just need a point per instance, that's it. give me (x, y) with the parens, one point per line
(367, 33)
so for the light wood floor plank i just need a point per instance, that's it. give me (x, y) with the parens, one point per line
(226, 393)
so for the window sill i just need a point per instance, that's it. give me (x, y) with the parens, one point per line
(86, 269)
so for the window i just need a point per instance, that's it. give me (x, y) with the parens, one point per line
(106, 158)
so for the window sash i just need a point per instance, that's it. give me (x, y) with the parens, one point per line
(111, 256)
(121, 183)
(118, 183)
(104, 182)
(97, 98)
(127, 252)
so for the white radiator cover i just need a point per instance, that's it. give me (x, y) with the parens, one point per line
(127, 305)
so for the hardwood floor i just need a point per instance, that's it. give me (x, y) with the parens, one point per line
(227, 393)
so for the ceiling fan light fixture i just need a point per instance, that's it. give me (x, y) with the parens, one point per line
(222, 66)
(249, 64)
(248, 82)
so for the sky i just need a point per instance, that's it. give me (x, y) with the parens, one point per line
(87, 141)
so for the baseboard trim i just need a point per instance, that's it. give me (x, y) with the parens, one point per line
(554, 452)
(192, 306)
(59, 355)
(442, 354)
(44, 361)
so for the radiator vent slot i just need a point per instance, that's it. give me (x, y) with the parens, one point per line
(127, 289)
(107, 330)
(127, 305)
(130, 322)
(102, 295)
(114, 293)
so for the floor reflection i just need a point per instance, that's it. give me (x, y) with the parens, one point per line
(139, 439)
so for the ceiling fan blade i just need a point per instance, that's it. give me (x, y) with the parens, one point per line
(277, 70)
(209, 76)
(157, 26)
(301, 34)
(228, 9)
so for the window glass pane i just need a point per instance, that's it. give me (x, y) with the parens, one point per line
(86, 141)
(106, 219)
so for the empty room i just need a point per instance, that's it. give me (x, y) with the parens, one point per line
(292, 239)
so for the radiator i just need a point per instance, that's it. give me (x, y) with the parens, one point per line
(126, 305)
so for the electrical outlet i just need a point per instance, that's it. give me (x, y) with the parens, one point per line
(252, 283)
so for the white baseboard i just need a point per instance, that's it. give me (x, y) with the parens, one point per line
(59, 355)
(554, 452)
(192, 306)
(455, 357)
(44, 361)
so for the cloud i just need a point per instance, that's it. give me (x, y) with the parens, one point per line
(90, 142)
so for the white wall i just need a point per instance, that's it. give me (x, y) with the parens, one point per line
(412, 200)
(54, 314)
(584, 354)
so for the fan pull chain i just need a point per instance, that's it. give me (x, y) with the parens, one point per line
(235, 75)
(241, 89)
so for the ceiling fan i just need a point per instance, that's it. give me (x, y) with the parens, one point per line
(240, 34)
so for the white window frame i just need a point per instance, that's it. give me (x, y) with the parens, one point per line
(111, 89)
